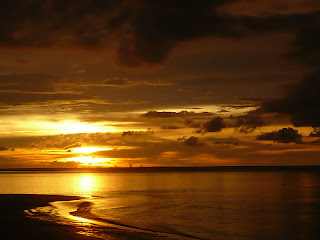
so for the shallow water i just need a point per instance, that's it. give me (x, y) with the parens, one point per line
(208, 205)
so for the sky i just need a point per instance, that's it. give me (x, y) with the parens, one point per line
(114, 83)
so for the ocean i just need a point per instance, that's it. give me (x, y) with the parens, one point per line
(278, 204)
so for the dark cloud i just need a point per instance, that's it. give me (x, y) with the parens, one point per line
(12, 98)
(228, 141)
(285, 135)
(315, 134)
(56, 164)
(156, 27)
(307, 40)
(214, 125)
(28, 82)
(124, 82)
(249, 123)
(3, 148)
(263, 8)
(191, 123)
(302, 104)
(223, 111)
(192, 141)
(302, 101)
(22, 61)
(195, 108)
(116, 82)
(74, 145)
(155, 114)
(237, 106)
(251, 99)
(137, 133)
(142, 31)
(169, 127)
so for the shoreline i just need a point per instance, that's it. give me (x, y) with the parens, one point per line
(293, 168)
(15, 223)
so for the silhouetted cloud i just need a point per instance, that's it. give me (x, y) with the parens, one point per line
(124, 82)
(3, 148)
(285, 135)
(315, 134)
(142, 31)
(191, 123)
(137, 133)
(27, 98)
(214, 125)
(302, 104)
(57, 164)
(155, 114)
(249, 123)
(251, 99)
(264, 8)
(192, 141)
(22, 61)
(229, 141)
(169, 127)
(28, 82)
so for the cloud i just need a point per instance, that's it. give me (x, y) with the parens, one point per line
(214, 125)
(315, 134)
(28, 82)
(248, 123)
(228, 141)
(302, 101)
(142, 31)
(3, 148)
(27, 98)
(169, 127)
(57, 164)
(263, 8)
(302, 104)
(307, 40)
(116, 82)
(137, 133)
(191, 123)
(285, 135)
(124, 82)
(138, 32)
(192, 141)
(251, 99)
(155, 114)
(22, 61)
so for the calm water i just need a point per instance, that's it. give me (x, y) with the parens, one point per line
(209, 205)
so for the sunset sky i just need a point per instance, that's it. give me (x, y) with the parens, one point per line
(159, 83)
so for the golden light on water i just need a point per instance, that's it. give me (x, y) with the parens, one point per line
(87, 183)
(89, 149)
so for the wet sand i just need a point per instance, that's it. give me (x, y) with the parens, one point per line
(14, 223)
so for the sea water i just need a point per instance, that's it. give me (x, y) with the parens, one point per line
(204, 205)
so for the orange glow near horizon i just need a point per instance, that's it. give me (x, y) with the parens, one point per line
(45, 125)
(89, 149)
(92, 161)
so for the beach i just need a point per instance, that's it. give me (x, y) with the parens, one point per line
(15, 223)
(275, 204)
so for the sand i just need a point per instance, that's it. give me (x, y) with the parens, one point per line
(14, 223)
